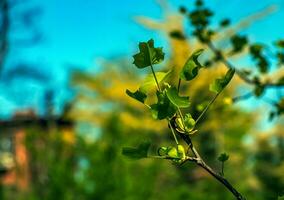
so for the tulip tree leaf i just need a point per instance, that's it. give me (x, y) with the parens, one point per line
(148, 55)
(189, 122)
(150, 83)
(173, 152)
(138, 95)
(163, 108)
(220, 83)
(178, 101)
(137, 152)
(191, 67)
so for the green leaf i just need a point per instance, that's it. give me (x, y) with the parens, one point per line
(238, 42)
(220, 83)
(189, 122)
(180, 151)
(163, 108)
(280, 43)
(191, 67)
(137, 152)
(223, 157)
(280, 81)
(148, 55)
(225, 23)
(173, 152)
(259, 90)
(178, 101)
(138, 95)
(177, 34)
(149, 82)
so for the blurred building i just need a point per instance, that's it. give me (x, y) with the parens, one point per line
(14, 157)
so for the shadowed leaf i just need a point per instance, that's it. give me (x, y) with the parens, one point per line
(178, 101)
(220, 83)
(191, 67)
(138, 95)
(148, 55)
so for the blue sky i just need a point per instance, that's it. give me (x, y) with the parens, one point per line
(77, 32)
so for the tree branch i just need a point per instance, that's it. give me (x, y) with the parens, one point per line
(200, 162)
(238, 72)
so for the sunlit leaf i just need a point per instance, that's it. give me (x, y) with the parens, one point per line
(137, 152)
(191, 67)
(148, 55)
(220, 83)
(149, 83)
(178, 101)
(181, 151)
(189, 122)
(138, 95)
(173, 152)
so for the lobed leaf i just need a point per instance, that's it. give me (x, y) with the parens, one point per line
(191, 67)
(220, 83)
(149, 83)
(178, 101)
(137, 95)
(148, 55)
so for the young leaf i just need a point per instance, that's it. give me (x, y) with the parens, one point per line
(191, 67)
(223, 157)
(173, 152)
(163, 108)
(137, 152)
(178, 101)
(220, 83)
(150, 83)
(189, 122)
(148, 55)
(138, 95)
(180, 151)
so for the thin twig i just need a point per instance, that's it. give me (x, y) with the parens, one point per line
(242, 97)
(173, 132)
(238, 72)
(206, 108)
